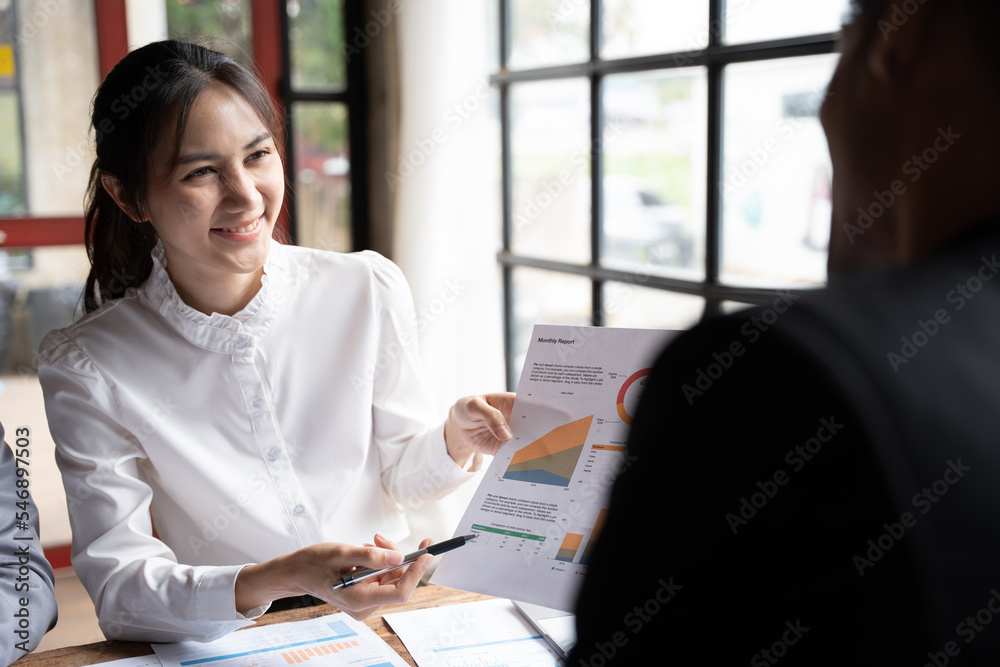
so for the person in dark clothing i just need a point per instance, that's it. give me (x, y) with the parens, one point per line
(820, 470)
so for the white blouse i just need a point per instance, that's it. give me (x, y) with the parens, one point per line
(301, 419)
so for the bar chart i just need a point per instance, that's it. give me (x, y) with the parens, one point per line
(589, 549)
(570, 545)
(331, 640)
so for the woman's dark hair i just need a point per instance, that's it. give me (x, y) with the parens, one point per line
(147, 90)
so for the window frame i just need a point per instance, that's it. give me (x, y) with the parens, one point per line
(714, 58)
(355, 98)
(34, 231)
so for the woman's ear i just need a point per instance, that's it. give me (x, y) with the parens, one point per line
(112, 186)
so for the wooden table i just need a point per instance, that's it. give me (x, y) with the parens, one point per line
(423, 597)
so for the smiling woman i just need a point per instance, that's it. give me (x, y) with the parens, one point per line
(215, 204)
(200, 392)
(199, 93)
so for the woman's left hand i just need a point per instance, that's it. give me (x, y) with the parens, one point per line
(478, 424)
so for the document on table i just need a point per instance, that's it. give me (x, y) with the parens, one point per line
(490, 632)
(140, 661)
(543, 500)
(336, 639)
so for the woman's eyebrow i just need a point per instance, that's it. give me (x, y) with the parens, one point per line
(206, 157)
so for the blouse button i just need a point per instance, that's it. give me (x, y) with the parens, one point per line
(241, 343)
(275, 453)
(258, 401)
(299, 510)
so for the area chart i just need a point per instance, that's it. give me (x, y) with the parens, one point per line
(552, 458)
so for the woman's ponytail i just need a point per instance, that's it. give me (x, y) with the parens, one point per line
(118, 247)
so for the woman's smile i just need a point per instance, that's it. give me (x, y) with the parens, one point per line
(244, 232)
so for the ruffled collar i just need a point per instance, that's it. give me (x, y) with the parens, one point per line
(229, 334)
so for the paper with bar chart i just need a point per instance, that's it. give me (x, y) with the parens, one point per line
(543, 500)
(336, 639)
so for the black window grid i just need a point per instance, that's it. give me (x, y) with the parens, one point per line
(714, 58)
(354, 96)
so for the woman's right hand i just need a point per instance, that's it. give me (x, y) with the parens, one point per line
(314, 570)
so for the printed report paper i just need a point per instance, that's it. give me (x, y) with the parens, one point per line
(489, 632)
(543, 500)
(335, 639)
(140, 661)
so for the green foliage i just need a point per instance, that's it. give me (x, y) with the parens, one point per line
(321, 126)
(224, 25)
(315, 27)
(316, 36)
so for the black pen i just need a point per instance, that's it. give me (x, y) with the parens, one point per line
(434, 550)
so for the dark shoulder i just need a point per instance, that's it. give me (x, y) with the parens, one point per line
(746, 362)
(750, 463)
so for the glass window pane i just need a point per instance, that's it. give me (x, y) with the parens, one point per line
(54, 76)
(550, 164)
(12, 199)
(549, 32)
(223, 25)
(492, 37)
(758, 20)
(40, 289)
(545, 297)
(654, 161)
(776, 173)
(630, 305)
(642, 27)
(316, 42)
(322, 175)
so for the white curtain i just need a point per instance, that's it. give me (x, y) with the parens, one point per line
(446, 208)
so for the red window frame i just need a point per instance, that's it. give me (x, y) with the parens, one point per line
(112, 44)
